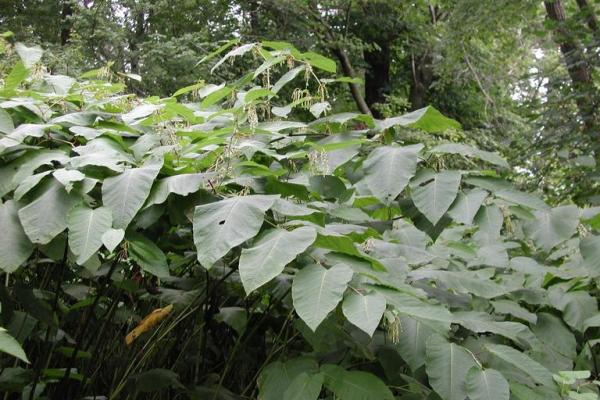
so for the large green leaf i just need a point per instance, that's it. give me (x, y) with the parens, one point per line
(6, 122)
(225, 224)
(364, 310)
(15, 246)
(275, 379)
(182, 185)
(269, 255)
(354, 385)
(577, 306)
(555, 334)
(463, 149)
(388, 169)
(435, 197)
(554, 226)
(148, 255)
(9, 345)
(467, 205)
(428, 119)
(86, 227)
(112, 238)
(304, 387)
(126, 193)
(319, 61)
(466, 282)
(46, 216)
(29, 55)
(590, 251)
(520, 361)
(412, 341)
(487, 384)
(316, 291)
(447, 365)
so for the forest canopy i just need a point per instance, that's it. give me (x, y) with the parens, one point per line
(299, 199)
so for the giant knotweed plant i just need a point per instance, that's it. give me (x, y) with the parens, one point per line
(224, 244)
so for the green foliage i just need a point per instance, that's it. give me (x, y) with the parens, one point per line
(253, 254)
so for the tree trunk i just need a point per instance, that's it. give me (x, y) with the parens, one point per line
(577, 66)
(422, 77)
(253, 6)
(140, 30)
(65, 30)
(354, 88)
(377, 76)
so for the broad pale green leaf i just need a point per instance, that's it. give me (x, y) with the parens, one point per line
(316, 291)
(412, 340)
(287, 77)
(26, 165)
(269, 255)
(304, 387)
(67, 177)
(6, 122)
(590, 251)
(513, 308)
(148, 255)
(319, 61)
(277, 126)
(447, 365)
(521, 198)
(15, 246)
(435, 197)
(216, 96)
(465, 150)
(223, 225)
(552, 331)
(554, 226)
(428, 119)
(591, 322)
(281, 111)
(275, 379)
(60, 84)
(112, 238)
(86, 227)
(576, 306)
(523, 392)
(467, 205)
(126, 193)
(522, 362)
(319, 108)
(182, 185)
(388, 169)
(466, 282)
(238, 51)
(139, 112)
(15, 77)
(269, 63)
(46, 216)
(409, 305)
(364, 310)
(22, 132)
(29, 183)
(490, 221)
(257, 93)
(480, 322)
(354, 385)
(29, 55)
(9, 345)
(487, 384)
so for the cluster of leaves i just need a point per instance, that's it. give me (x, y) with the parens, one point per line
(334, 258)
